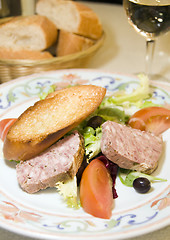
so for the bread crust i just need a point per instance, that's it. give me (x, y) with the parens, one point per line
(16, 39)
(87, 22)
(9, 53)
(69, 43)
(48, 120)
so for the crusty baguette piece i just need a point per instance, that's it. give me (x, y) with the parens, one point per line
(71, 16)
(28, 33)
(9, 53)
(69, 43)
(48, 120)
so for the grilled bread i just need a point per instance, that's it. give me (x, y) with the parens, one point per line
(48, 120)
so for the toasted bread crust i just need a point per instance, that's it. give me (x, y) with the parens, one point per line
(48, 120)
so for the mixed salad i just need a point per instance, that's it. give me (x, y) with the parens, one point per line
(96, 178)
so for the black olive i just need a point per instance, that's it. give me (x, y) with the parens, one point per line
(141, 185)
(95, 122)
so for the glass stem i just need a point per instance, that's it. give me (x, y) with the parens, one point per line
(150, 46)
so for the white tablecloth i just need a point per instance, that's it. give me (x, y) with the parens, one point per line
(163, 234)
(123, 52)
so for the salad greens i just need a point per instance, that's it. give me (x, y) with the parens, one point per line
(45, 94)
(68, 190)
(92, 141)
(128, 176)
(112, 114)
(139, 98)
(142, 92)
(92, 136)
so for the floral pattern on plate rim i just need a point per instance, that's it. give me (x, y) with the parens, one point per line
(35, 86)
(131, 221)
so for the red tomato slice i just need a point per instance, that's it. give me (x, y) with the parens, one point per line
(96, 195)
(152, 119)
(158, 124)
(5, 124)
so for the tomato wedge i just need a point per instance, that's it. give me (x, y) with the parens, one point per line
(5, 124)
(152, 119)
(96, 195)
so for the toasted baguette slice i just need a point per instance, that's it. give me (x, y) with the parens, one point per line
(71, 16)
(28, 33)
(69, 43)
(8, 53)
(48, 120)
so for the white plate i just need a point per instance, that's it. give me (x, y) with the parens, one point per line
(44, 214)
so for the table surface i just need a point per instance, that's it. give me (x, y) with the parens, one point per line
(124, 49)
(123, 52)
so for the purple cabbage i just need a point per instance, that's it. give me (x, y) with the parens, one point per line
(113, 170)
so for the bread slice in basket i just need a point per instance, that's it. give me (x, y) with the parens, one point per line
(71, 16)
(28, 33)
(10, 53)
(48, 120)
(69, 43)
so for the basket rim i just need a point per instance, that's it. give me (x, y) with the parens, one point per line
(62, 59)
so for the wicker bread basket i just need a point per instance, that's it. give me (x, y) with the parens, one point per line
(11, 69)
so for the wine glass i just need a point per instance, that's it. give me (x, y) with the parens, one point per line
(150, 18)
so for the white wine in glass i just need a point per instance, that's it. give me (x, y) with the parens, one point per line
(150, 18)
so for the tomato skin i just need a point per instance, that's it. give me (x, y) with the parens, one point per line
(158, 124)
(152, 119)
(5, 124)
(96, 195)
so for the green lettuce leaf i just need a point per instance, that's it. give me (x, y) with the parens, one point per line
(68, 190)
(43, 95)
(142, 92)
(113, 114)
(92, 141)
(127, 177)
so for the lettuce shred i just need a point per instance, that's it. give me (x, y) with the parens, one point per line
(92, 139)
(68, 190)
(142, 92)
(132, 102)
(128, 176)
(51, 89)
(113, 114)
